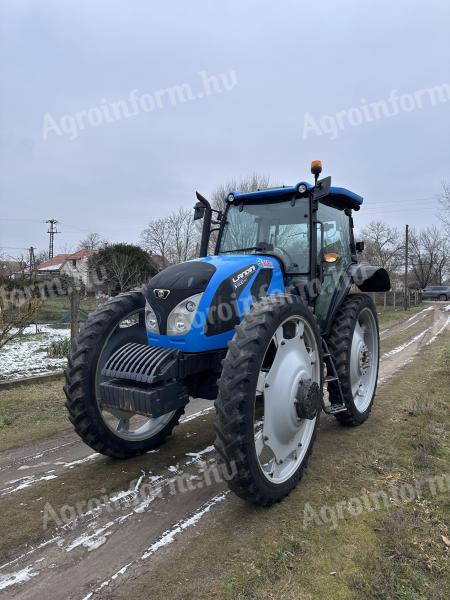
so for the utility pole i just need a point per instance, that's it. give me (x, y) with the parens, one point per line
(31, 260)
(406, 266)
(51, 231)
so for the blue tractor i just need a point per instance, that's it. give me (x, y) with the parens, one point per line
(270, 326)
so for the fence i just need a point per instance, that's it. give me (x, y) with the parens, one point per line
(396, 299)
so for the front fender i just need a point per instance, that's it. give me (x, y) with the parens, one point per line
(369, 278)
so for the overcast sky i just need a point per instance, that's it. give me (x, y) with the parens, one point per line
(290, 67)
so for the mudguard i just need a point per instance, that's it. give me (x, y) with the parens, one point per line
(369, 278)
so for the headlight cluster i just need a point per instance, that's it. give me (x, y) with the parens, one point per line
(151, 321)
(181, 317)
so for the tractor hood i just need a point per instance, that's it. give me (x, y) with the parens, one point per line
(228, 284)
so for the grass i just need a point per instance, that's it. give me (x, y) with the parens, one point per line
(55, 310)
(59, 348)
(30, 412)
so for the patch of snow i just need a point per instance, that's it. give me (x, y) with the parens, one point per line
(200, 413)
(169, 536)
(420, 313)
(80, 461)
(92, 541)
(25, 357)
(25, 482)
(18, 577)
(105, 583)
(433, 339)
(406, 344)
(196, 456)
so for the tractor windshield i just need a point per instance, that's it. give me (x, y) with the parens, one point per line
(276, 228)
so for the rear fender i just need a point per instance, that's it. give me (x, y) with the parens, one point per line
(369, 278)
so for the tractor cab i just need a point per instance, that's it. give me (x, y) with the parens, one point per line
(307, 228)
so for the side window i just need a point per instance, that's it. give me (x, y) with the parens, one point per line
(336, 239)
(336, 235)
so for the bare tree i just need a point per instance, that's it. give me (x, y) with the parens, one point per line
(174, 238)
(384, 246)
(156, 238)
(429, 253)
(92, 241)
(243, 230)
(252, 183)
(14, 319)
(183, 235)
(444, 200)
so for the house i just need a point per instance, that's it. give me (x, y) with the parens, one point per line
(72, 265)
(159, 261)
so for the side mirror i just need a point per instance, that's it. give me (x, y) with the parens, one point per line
(359, 246)
(199, 211)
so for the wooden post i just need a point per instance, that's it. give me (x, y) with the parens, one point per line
(74, 296)
(384, 301)
(394, 298)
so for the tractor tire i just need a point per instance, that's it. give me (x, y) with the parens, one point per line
(256, 351)
(355, 324)
(102, 334)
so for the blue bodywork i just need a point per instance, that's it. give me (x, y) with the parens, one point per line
(336, 194)
(226, 265)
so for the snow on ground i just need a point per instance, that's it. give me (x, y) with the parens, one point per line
(27, 355)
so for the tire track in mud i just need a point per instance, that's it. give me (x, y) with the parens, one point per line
(18, 471)
(101, 549)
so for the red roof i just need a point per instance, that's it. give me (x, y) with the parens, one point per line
(56, 260)
(83, 253)
(59, 259)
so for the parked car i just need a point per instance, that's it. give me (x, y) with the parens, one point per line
(436, 292)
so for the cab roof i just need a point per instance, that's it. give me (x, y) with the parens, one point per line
(337, 196)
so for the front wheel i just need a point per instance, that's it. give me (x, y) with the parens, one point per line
(354, 346)
(443, 297)
(269, 400)
(113, 432)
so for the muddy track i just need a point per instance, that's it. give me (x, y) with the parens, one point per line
(160, 496)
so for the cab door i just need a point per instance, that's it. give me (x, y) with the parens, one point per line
(336, 244)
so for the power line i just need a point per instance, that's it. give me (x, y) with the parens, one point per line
(51, 231)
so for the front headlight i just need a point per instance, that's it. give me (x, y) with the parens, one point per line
(181, 318)
(151, 321)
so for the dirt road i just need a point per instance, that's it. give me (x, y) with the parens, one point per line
(127, 514)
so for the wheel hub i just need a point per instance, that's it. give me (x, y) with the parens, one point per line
(307, 399)
(363, 358)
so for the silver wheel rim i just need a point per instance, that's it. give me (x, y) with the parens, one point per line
(364, 360)
(282, 439)
(125, 425)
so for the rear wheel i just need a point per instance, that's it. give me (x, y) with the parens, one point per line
(113, 432)
(270, 399)
(354, 347)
